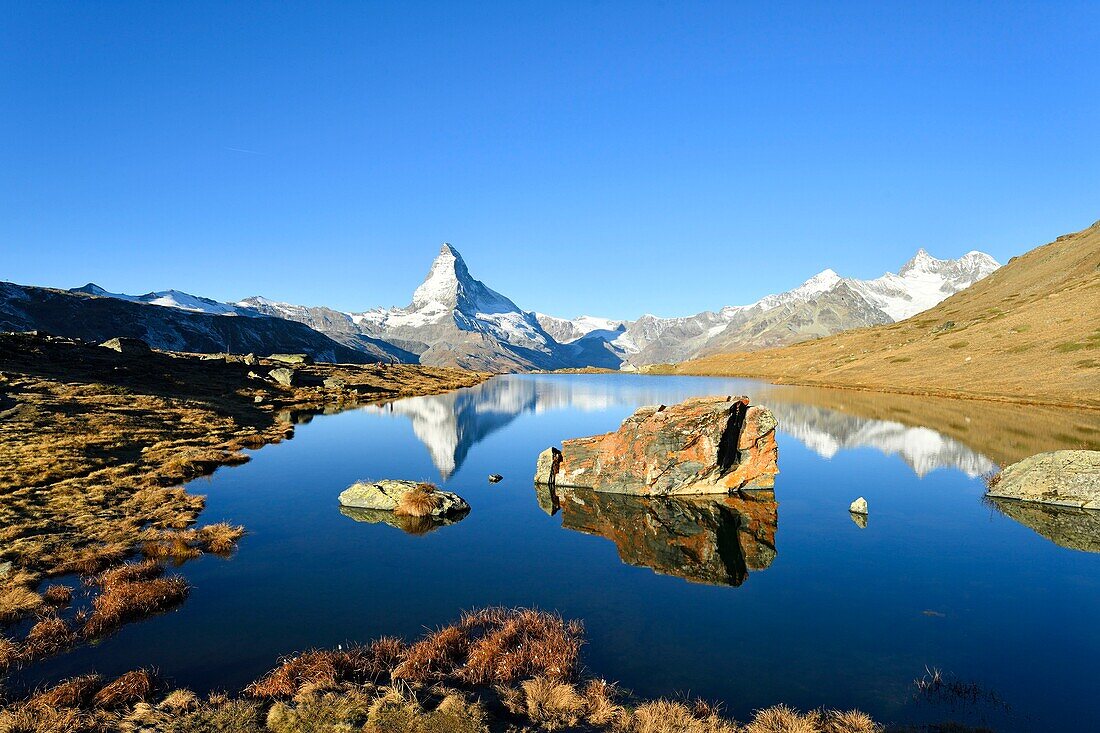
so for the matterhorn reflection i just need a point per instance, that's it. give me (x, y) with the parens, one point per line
(449, 425)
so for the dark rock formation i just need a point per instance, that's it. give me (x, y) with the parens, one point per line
(707, 445)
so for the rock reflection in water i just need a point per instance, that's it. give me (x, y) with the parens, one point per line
(716, 541)
(407, 524)
(1076, 529)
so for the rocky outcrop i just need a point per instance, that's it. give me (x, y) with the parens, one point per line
(713, 540)
(707, 445)
(1069, 478)
(129, 346)
(393, 496)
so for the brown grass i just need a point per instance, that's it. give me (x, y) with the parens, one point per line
(77, 692)
(58, 595)
(123, 599)
(48, 636)
(419, 502)
(552, 704)
(667, 716)
(327, 668)
(128, 689)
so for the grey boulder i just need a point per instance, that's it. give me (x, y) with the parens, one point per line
(386, 496)
(1069, 478)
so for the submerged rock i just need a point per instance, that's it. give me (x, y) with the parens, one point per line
(712, 540)
(859, 506)
(1068, 478)
(403, 497)
(707, 445)
(495, 478)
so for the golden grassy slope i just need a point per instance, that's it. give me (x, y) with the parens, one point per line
(1029, 332)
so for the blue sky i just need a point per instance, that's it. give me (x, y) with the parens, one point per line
(585, 157)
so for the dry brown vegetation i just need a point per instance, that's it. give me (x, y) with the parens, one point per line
(1027, 333)
(419, 502)
(493, 670)
(94, 445)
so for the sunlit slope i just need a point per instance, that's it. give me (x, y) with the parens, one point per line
(1030, 331)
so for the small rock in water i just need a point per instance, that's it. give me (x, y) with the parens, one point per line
(495, 477)
(859, 506)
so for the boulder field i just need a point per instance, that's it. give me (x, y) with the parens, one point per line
(706, 445)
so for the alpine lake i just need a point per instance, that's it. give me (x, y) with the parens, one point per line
(794, 600)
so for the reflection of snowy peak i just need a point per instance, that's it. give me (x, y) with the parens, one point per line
(449, 425)
(826, 432)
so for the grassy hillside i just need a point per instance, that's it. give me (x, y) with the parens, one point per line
(1029, 332)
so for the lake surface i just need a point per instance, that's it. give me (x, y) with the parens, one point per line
(801, 605)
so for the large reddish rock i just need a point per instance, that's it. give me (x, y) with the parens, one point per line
(707, 445)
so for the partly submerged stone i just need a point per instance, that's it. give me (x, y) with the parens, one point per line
(859, 506)
(713, 540)
(707, 445)
(386, 495)
(1068, 478)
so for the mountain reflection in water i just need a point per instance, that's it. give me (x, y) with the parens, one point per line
(712, 540)
(449, 425)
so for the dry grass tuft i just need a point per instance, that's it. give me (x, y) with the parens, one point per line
(552, 704)
(10, 654)
(58, 595)
(782, 719)
(320, 670)
(77, 692)
(91, 560)
(849, 721)
(123, 599)
(17, 601)
(434, 657)
(48, 636)
(495, 646)
(179, 701)
(221, 538)
(667, 716)
(419, 502)
(128, 689)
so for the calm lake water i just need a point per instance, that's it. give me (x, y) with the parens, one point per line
(800, 606)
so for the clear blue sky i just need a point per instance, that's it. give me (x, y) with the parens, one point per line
(585, 157)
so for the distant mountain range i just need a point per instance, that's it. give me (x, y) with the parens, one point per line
(457, 320)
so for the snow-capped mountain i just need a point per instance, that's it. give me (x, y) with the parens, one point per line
(457, 320)
(171, 299)
(825, 304)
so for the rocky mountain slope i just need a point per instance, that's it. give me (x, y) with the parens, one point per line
(456, 320)
(823, 305)
(1027, 332)
(96, 318)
